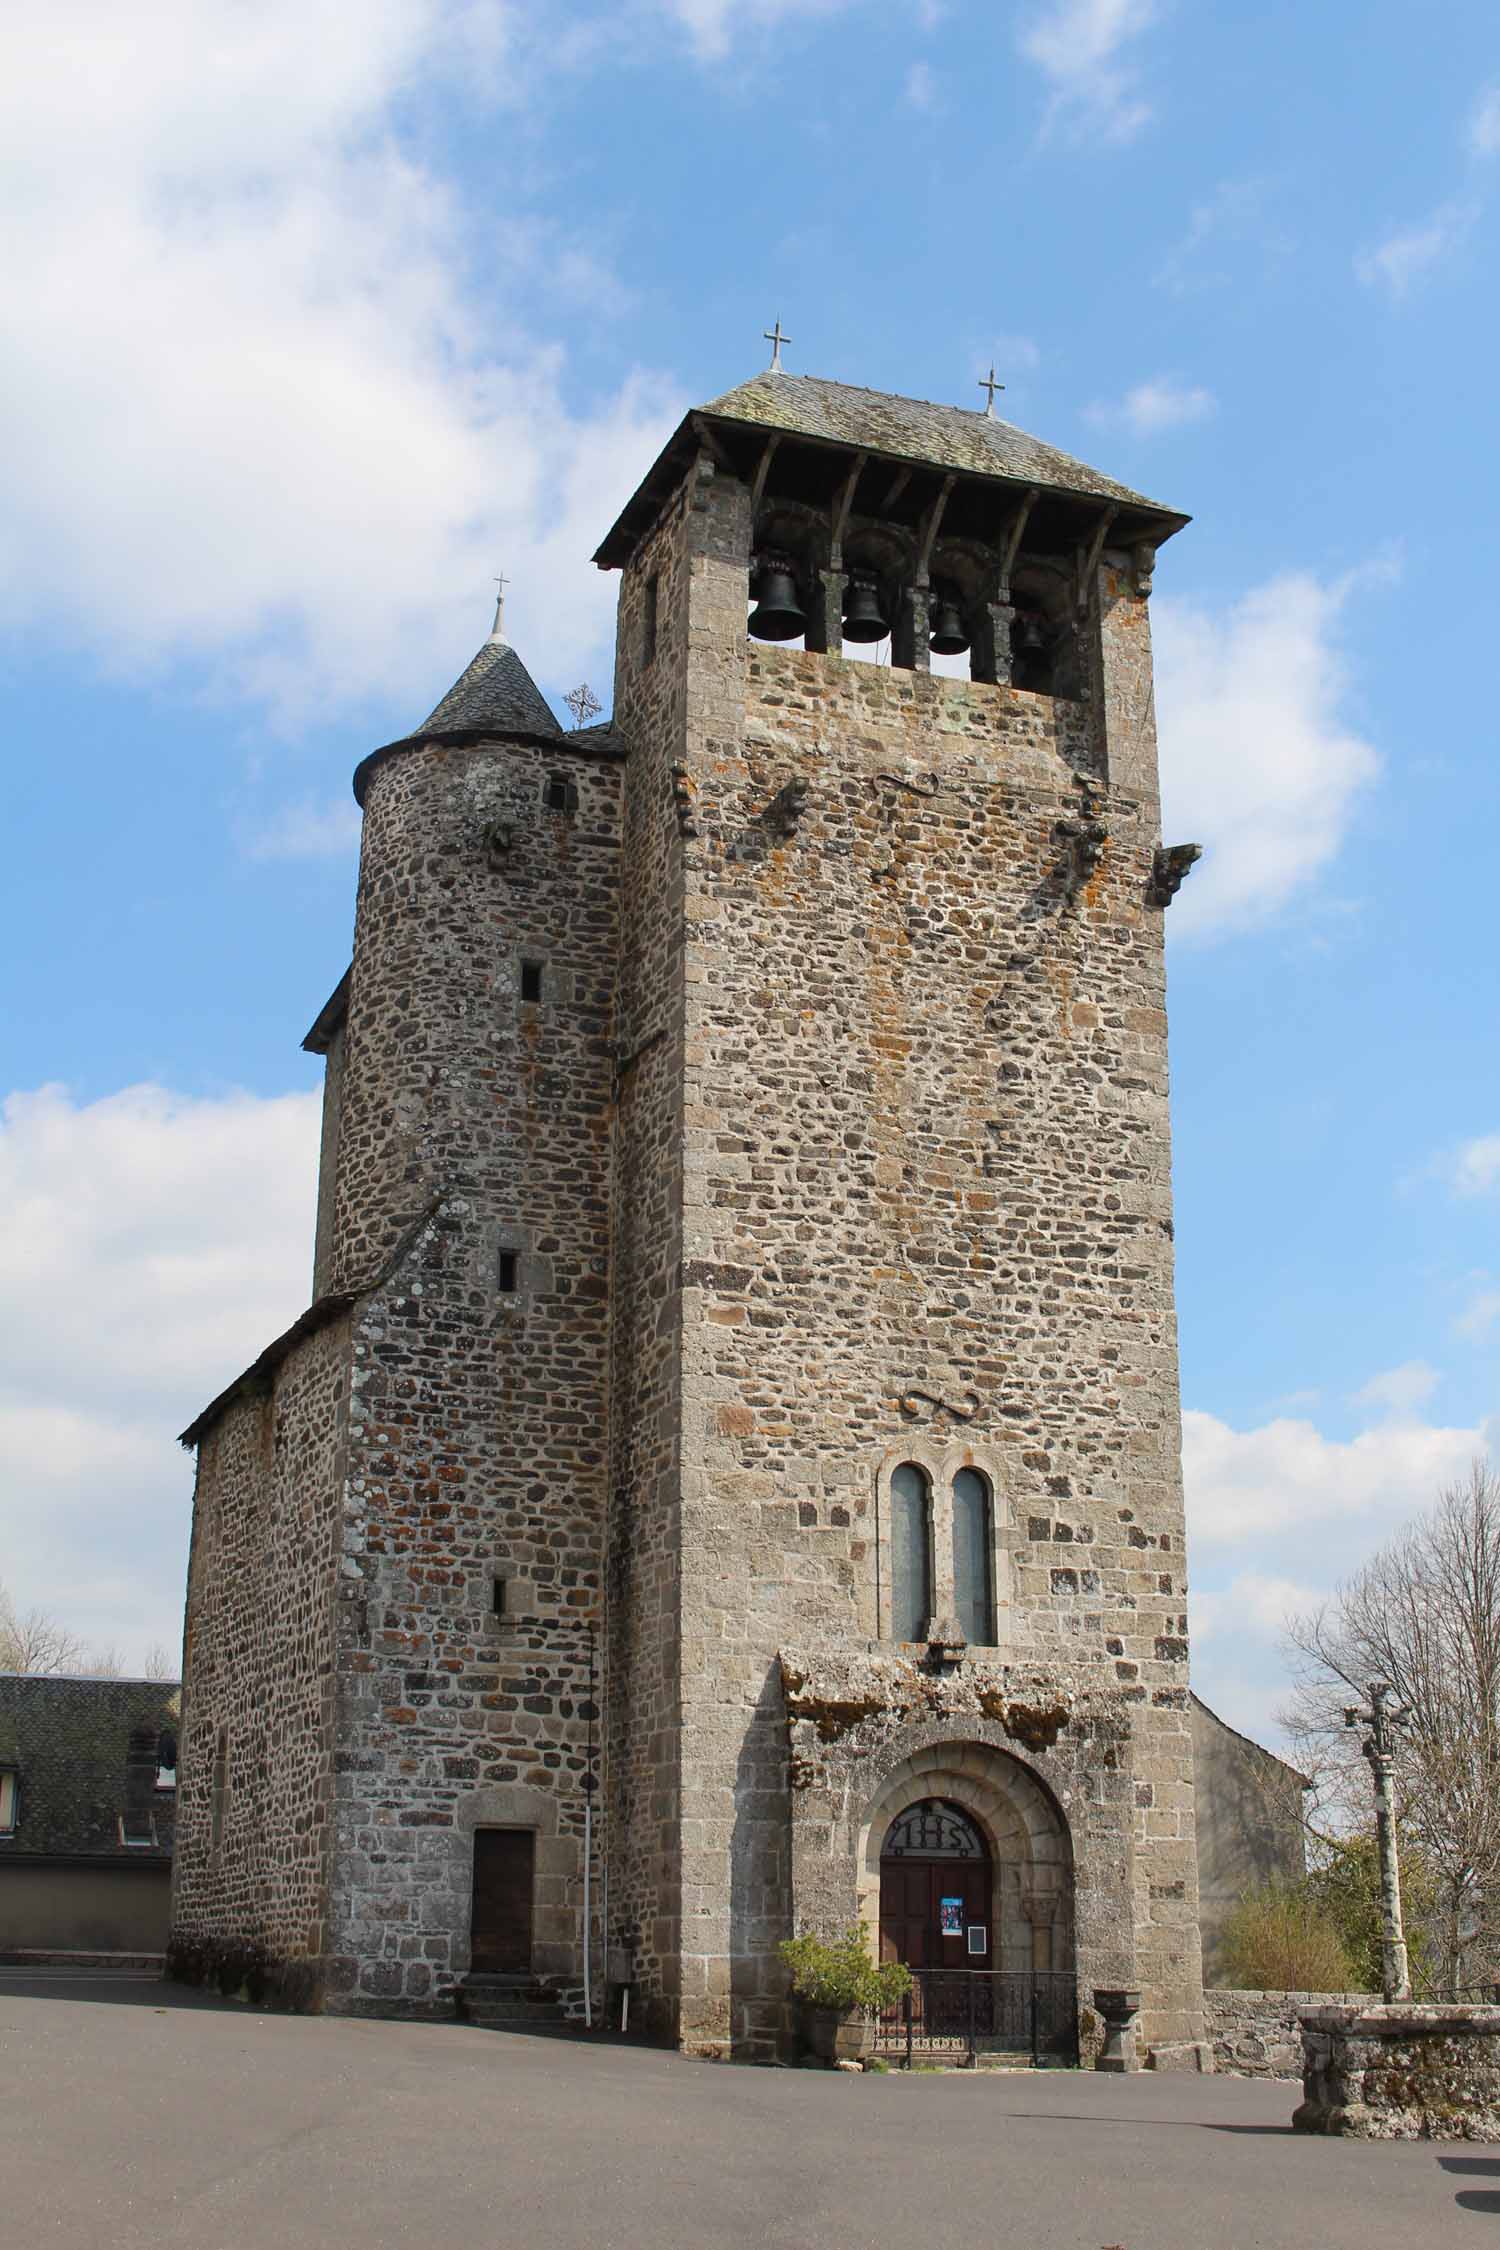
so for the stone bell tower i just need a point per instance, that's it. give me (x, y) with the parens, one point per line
(727, 1479)
(895, 1509)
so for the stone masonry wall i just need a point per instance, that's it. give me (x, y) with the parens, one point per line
(258, 1663)
(925, 1146)
(644, 1632)
(1258, 2034)
(478, 1417)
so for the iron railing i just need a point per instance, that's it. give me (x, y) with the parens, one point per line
(967, 2013)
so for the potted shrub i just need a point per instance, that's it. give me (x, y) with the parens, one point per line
(841, 1990)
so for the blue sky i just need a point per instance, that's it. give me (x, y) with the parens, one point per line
(307, 334)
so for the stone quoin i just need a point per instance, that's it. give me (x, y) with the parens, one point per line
(742, 1365)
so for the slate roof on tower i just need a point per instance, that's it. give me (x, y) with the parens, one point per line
(494, 695)
(808, 411)
(913, 429)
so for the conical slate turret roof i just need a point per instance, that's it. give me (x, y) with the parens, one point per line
(496, 695)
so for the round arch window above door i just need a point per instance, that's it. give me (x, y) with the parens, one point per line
(933, 1830)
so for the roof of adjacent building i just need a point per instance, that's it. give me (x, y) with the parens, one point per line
(809, 411)
(68, 1742)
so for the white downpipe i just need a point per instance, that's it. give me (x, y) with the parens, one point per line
(588, 1941)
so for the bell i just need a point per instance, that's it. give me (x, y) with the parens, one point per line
(862, 614)
(777, 615)
(947, 636)
(1029, 639)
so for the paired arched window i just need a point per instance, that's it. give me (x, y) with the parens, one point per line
(942, 1559)
(911, 1552)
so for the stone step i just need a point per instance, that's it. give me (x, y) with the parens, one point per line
(502, 2003)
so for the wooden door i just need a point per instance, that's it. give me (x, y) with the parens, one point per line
(500, 1926)
(912, 1896)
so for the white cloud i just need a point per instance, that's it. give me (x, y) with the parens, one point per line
(1258, 762)
(921, 86)
(1150, 408)
(306, 830)
(1479, 1314)
(276, 401)
(1234, 215)
(1484, 123)
(1405, 256)
(1019, 355)
(714, 25)
(1400, 1390)
(1077, 44)
(150, 1246)
(1246, 1485)
(1279, 1514)
(1473, 1168)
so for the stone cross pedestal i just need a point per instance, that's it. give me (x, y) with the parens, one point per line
(1400, 2072)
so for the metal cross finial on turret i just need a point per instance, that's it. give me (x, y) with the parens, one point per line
(775, 339)
(497, 630)
(988, 383)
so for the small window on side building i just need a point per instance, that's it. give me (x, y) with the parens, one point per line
(559, 794)
(7, 1804)
(531, 982)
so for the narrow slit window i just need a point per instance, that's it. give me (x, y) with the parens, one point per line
(7, 1803)
(911, 1552)
(531, 981)
(973, 1543)
(499, 1593)
(510, 1272)
(648, 619)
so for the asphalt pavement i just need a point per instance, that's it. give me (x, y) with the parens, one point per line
(134, 2116)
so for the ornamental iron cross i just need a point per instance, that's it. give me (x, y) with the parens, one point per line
(988, 383)
(775, 339)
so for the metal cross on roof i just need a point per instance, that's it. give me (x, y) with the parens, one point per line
(775, 339)
(988, 383)
(498, 628)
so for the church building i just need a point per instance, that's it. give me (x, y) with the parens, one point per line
(727, 1481)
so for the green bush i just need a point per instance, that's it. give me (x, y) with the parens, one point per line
(840, 1974)
(1278, 1939)
(1345, 1889)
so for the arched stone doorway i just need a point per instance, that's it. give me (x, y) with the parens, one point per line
(967, 1864)
(936, 1889)
(1024, 1835)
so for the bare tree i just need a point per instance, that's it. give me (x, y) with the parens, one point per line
(1423, 1614)
(36, 1642)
